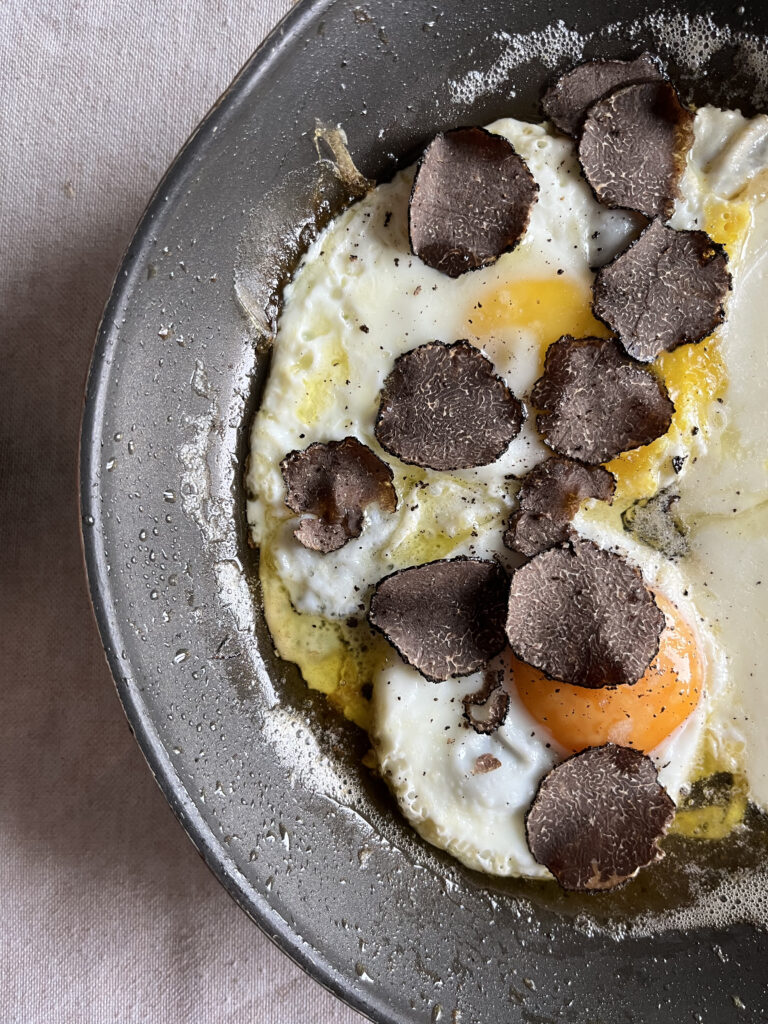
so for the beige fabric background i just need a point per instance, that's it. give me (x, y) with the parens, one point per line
(107, 912)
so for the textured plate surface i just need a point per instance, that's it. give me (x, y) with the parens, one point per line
(265, 781)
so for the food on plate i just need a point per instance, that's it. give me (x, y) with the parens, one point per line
(596, 403)
(549, 498)
(335, 482)
(667, 289)
(598, 817)
(471, 200)
(633, 147)
(487, 609)
(583, 615)
(444, 618)
(567, 100)
(444, 407)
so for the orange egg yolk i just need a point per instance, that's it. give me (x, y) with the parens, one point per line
(640, 715)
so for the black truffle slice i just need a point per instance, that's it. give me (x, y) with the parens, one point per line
(667, 289)
(584, 616)
(470, 202)
(486, 709)
(443, 407)
(549, 498)
(633, 147)
(598, 818)
(445, 618)
(335, 482)
(597, 402)
(566, 102)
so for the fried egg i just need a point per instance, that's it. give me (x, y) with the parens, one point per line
(359, 300)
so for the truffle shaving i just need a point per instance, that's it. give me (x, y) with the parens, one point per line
(549, 498)
(486, 709)
(584, 616)
(597, 402)
(443, 407)
(598, 818)
(633, 147)
(334, 483)
(445, 618)
(471, 201)
(566, 102)
(667, 289)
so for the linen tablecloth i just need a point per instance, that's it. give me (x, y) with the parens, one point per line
(108, 914)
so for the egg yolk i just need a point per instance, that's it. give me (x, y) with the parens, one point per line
(548, 306)
(640, 715)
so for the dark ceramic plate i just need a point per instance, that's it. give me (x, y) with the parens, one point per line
(266, 782)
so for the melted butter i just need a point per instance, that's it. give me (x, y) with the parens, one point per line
(549, 307)
(723, 809)
(439, 520)
(317, 390)
(335, 657)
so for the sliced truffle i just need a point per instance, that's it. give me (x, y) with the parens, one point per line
(597, 402)
(471, 201)
(566, 102)
(598, 817)
(549, 498)
(445, 618)
(633, 147)
(667, 289)
(443, 407)
(653, 521)
(334, 483)
(584, 616)
(486, 709)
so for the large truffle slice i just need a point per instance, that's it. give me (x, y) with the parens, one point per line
(633, 147)
(445, 618)
(549, 498)
(598, 818)
(566, 102)
(597, 402)
(471, 200)
(335, 482)
(584, 616)
(443, 407)
(667, 289)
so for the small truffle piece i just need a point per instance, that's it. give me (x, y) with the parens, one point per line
(445, 618)
(597, 402)
(665, 290)
(470, 202)
(486, 709)
(486, 763)
(653, 521)
(549, 498)
(443, 407)
(633, 147)
(567, 101)
(335, 482)
(583, 616)
(597, 818)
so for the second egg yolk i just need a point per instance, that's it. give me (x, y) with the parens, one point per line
(640, 715)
